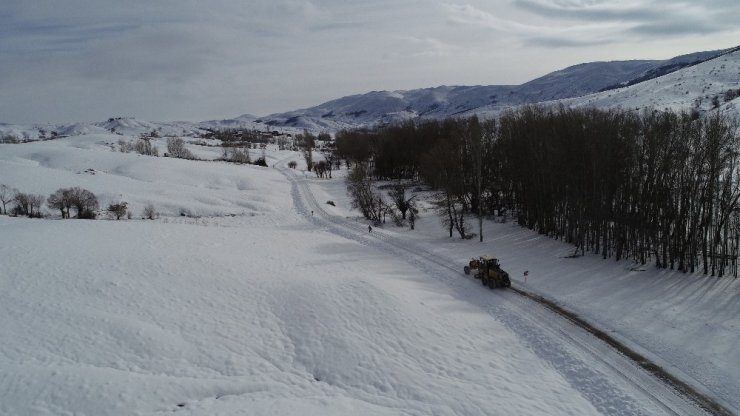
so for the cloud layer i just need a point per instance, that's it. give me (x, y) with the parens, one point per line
(88, 60)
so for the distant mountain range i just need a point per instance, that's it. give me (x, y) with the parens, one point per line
(575, 81)
(704, 81)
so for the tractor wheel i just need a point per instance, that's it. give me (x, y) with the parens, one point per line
(466, 269)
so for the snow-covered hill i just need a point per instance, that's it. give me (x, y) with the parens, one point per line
(445, 101)
(682, 82)
(129, 126)
(710, 85)
(251, 296)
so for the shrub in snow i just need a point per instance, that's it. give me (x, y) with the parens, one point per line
(330, 203)
(261, 162)
(176, 148)
(125, 146)
(236, 155)
(8, 138)
(144, 147)
(150, 212)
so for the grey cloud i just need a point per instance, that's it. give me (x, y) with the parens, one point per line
(589, 11)
(87, 59)
(563, 42)
(646, 19)
(672, 28)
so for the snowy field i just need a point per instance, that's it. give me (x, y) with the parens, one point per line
(250, 295)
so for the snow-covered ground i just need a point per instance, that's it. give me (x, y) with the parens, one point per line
(263, 300)
(693, 87)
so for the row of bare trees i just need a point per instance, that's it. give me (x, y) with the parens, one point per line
(658, 187)
(653, 187)
(83, 203)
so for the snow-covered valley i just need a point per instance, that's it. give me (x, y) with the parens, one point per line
(250, 295)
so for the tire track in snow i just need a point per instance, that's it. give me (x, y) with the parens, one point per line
(567, 346)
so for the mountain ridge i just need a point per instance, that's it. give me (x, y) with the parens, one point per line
(380, 107)
(592, 83)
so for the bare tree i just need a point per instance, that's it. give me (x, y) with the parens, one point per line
(150, 212)
(176, 148)
(398, 197)
(27, 204)
(84, 201)
(443, 168)
(125, 146)
(237, 155)
(320, 169)
(6, 195)
(118, 210)
(61, 200)
(412, 215)
(330, 156)
(22, 203)
(144, 147)
(308, 142)
(35, 202)
(362, 194)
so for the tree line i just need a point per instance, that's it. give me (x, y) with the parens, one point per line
(82, 202)
(658, 187)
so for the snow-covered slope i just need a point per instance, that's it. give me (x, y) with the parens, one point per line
(254, 305)
(380, 107)
(387, 106)
(702, 87)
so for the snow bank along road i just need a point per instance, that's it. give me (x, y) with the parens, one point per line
(610, 380)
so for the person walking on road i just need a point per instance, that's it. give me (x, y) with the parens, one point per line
(369, 229)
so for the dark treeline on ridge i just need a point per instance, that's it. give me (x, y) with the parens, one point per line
(658, 187)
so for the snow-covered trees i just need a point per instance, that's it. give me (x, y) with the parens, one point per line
(150, 212)
(176, 148)
(236, 155)
(6, 195)
(143, 146)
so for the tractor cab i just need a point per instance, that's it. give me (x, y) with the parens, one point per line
(490, 262)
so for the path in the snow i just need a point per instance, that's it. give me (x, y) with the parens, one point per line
(612, 382)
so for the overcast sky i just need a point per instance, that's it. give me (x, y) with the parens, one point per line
(164, 60)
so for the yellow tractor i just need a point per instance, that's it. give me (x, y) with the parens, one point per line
(488, 270)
